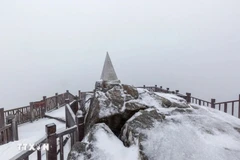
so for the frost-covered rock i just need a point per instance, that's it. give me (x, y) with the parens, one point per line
(113, 107)
(133, 130)
(154, 126)
(101, 144)
(195, 133)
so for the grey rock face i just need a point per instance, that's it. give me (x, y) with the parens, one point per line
(132, 130)
(113, 107)
(87, 147)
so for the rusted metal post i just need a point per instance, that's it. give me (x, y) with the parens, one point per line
(188, 97)
(51, 154)
(239, 106)
(2, 119)
(57, 103)
(213, 103)
(80, 127)
(32, 111)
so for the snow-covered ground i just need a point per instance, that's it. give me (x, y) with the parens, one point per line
(58, 113)
(31, 133)
(200, 133)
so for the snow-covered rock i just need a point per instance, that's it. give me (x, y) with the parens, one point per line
(113, 105)
(128, 123)
(101, 144)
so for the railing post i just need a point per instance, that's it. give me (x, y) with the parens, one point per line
(67, 101)
(51, 154)
(199, 102)
(155, 88)
(160, 88)
(225, 107)
(56, 96)
(2, 119)
(79, 95)
(177, 91)
(43, 108)
(213, 103)
(31, 111)
(239, 106)
(14, 129)
(80, 127)
(66, 116)
(188, 97)
(144, 86)
(67, 93)
(167, 90)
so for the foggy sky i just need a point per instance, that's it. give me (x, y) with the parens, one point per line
(51, 46)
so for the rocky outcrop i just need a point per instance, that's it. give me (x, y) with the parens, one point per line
(113, 106)
(132, 134)
(99, 144)
(123, 122)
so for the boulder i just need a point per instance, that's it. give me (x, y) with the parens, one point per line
(132, 134)
(99, 144)
(113, 107)
(130, 90)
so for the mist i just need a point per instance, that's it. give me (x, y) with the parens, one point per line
(54, 46)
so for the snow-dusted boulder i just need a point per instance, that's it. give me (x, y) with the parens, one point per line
(101, 144)
(132, 134)
(113, 107)
(195, 133)
(123, 122)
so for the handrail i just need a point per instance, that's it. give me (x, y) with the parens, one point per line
(5, 127)
(66, 131)
(16, 108)
(200, 99)
(227, 102)
(24, 154)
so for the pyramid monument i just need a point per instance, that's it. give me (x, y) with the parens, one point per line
(108, 72)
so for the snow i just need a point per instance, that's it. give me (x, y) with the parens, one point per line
(32, 132)
(28, 133)
(58, 113)
(204, 134)
(109, 147)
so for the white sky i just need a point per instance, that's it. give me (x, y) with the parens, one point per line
(50, 46)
